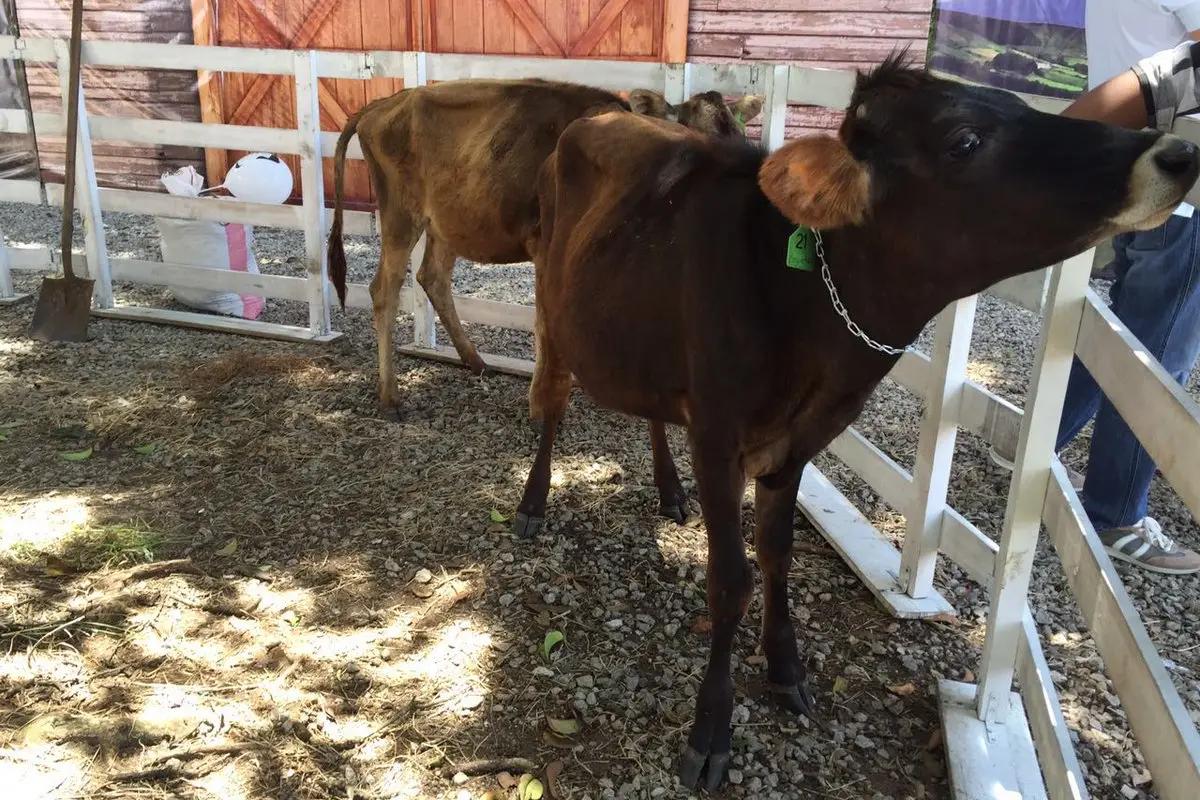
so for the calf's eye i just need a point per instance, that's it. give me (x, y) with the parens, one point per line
(965, 144)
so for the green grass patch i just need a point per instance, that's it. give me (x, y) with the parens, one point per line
(91, 547)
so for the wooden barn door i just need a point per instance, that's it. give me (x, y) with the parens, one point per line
(636, 30)
(270, 100)
(644, 30)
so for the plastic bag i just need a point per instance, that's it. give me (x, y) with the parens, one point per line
(210, 245)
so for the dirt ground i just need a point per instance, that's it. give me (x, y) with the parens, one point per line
(224, 574)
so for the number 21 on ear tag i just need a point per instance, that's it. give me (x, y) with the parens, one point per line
(800, 251)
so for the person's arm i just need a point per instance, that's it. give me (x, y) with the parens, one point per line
(1152, 93)
(1117, 101)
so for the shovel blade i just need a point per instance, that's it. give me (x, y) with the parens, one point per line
(64, 307)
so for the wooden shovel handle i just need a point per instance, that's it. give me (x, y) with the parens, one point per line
(68, 207)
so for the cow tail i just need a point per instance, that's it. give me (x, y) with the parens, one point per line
(336, 252)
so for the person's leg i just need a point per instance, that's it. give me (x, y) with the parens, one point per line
(1083, 393)
(1158, 299)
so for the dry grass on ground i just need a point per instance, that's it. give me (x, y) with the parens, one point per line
(253, 586)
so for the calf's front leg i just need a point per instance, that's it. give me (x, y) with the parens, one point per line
(720, 481)
(774, 511)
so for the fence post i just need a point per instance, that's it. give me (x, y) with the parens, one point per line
(1027, 493)
(87, 193)
(8, 295)
(935, 447)
(308, 123)
(424, 329)
(676, 78)
(774, 113)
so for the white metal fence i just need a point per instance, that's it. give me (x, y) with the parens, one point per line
(990, 749)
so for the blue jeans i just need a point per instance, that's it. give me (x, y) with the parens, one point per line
(1157, 296)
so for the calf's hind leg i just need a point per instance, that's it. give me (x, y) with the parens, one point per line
(435, 276)
(671, 497)
(774, 511)
(548, 395)
(398, 233)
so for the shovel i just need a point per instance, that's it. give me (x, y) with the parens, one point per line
(65, 304)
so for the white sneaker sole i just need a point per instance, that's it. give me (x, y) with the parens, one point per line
(1117, 554)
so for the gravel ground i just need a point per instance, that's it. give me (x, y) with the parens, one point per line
(198, 609)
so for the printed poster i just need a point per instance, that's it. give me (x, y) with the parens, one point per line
(1030, 46)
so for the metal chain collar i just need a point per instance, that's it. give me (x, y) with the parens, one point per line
(841, 309)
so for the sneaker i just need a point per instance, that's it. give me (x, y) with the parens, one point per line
(1145, 545)
(1008, 462)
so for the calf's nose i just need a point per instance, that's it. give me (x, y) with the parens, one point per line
(1177, 157)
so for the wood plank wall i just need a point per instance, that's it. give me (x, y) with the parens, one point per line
(836, 34)
(148, 94)
(841, 34)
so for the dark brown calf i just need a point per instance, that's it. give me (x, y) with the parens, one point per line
(459, 161)
(666, 287)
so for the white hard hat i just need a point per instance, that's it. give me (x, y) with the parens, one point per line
(259, 178)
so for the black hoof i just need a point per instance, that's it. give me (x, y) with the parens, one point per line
(526, 527)
(693, 764)
(690, 768)
(797, 699)
(673, 512)
(717, 764)
(392, 414)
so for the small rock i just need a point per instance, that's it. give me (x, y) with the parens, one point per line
(460, 778)
(586, 681)
(390, 565)
(1129, 791)
(864, 743)
(544, 672)
(735, 776)
(506, 599)
(613, 624)
(423, 576)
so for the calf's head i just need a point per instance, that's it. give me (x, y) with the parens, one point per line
(706, 112)
(971, 182)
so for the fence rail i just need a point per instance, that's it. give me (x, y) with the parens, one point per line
(982, 751)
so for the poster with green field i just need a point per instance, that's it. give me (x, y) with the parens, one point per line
(1029, 46)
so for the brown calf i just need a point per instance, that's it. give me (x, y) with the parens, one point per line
(459, 161)
(669, 286)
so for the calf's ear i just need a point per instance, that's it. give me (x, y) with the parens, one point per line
(817, 183)
(747, 107)
(652, 104)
